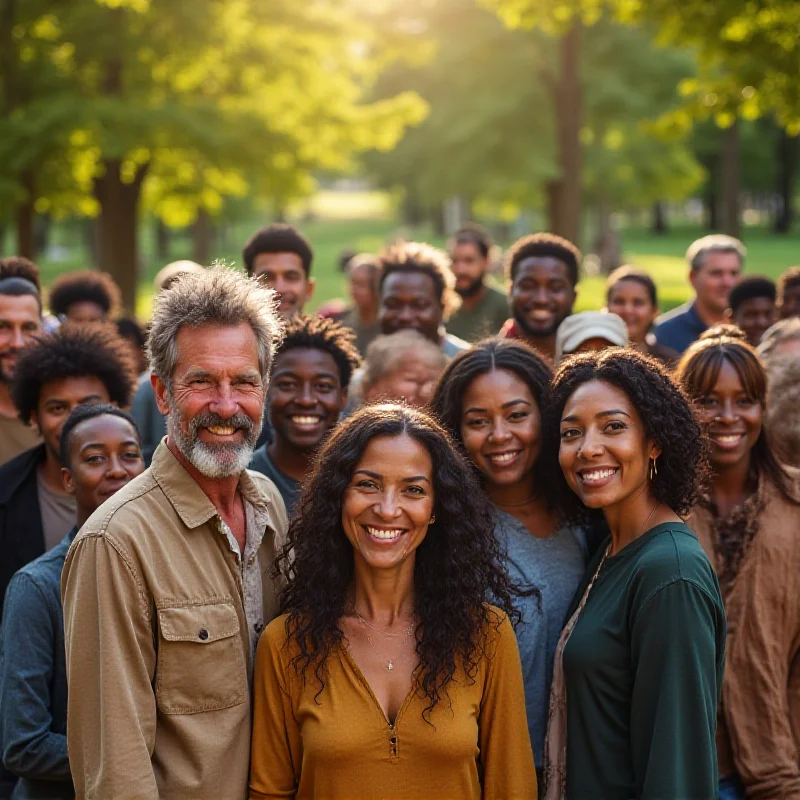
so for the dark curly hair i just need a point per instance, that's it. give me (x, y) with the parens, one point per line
(457, 564)
(73, 351)
(278, 238)
(751, 287)
(539, 245)
(84, 286)
(698, 371)
(480, 359)
(789, 279)
(85, 412)
(323, 333)
(20, 267)
(667, 416)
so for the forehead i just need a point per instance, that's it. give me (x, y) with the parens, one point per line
(106, 429)
(217, 348)
(19, 309)
(721, 260)
(502, 383)
(396, 456)
(542, 268)
(755, 303)
(466, 250)
(408, 284)
(277, 263)
(629, 288)
(595, 397)
(73, 389)
(306, 361)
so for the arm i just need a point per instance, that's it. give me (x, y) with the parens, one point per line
(505, 746)
(30, 749)
(276, 744)
(674, 651)
(111, 658)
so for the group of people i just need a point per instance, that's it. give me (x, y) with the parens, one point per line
(444, 542)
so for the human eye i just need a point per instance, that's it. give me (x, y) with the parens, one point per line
(707, 402)
(570, 433)
(95, 459)
(519, 415)
(614, 426)
(366, 483)
(325, 387)
(476, 422)
(416, 491)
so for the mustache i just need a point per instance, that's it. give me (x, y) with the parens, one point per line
(241, 422)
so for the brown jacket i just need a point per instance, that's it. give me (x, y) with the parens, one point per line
(759, 729)
(158, 649)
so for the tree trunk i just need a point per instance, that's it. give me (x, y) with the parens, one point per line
(117, 225)
(162, 242)
(564, 194)
(659, 224)
(26, 244)
(606, 246)
(787, 168)
(203, 238)
(730, 182)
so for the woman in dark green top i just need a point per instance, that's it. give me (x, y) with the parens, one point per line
(639, 666)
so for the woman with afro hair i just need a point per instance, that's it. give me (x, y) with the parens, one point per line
(748, 524)
(639, 664)
(389, 675)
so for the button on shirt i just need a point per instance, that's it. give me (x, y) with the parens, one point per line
(160, 621)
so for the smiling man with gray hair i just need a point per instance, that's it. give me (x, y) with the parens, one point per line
(168, 585)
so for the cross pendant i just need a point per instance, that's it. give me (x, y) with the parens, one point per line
(390, 666)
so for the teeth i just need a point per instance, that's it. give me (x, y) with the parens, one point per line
(503, 458)
(597, 475)
(379, 533)
(222, 430)
(729, 439)
(305, 420)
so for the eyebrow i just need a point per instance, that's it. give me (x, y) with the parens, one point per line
(518, 401)
(290, 372)
(126, 443)
(610, 413)
(412, 479)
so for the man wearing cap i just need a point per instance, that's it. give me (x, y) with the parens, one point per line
(589, 332)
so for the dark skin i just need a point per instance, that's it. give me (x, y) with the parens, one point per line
(409, 300)
(789, 302)
(542, 296)
(305, 399)
(754, 316)
(470, 267)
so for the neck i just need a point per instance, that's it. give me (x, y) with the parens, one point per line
(368, 316)
(289, 460)
(50, 470)
(632, 517)
(639, 344)
(472, 300)
(384, 595)
(222, 492)
(513, 495)
(7, 408)
(546, 345)
(708, 315)
(731, 485)
(83, 515)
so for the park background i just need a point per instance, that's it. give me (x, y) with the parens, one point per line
(136, 132)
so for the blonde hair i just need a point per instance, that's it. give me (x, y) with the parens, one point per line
(385, 353)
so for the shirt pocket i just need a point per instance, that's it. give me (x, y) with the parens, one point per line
(201, 664)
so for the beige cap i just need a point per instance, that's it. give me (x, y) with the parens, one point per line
(169, 273)
(578, 328)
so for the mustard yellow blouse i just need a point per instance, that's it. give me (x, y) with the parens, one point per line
(341, 747)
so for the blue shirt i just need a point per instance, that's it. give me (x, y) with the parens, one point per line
(554, 565)
(33, 679)
(680, 327)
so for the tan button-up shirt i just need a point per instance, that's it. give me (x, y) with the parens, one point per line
(158, 612)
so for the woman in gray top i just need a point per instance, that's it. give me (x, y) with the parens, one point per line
(492, 397)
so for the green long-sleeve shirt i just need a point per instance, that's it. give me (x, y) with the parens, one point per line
(643, 670)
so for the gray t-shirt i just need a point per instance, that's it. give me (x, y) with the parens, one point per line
(555, 566)
(58, 513)
(287, 486)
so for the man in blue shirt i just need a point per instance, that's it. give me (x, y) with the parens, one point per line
(715, 265)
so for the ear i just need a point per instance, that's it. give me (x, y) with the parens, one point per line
(35, 422)
(160, 391)
(692, 277)
(66, 479)
(728, 314)
(343, 393)
(310, 285)
(655, 451)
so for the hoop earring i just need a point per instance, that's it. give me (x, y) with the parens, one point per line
(653, 468)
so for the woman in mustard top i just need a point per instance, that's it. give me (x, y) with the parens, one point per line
(389, 675)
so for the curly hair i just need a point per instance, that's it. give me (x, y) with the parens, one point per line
(278, 238)
(457, 565)
(324, 333)
(666, 414)
(480, 359)
(73, 351)
(539, 245)
(20, 267)
(84, 286)
(698, 372)
(751, 287)
(410, 257)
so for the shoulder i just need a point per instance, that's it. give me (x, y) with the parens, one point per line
(673, 318)
(499, 632)
(276, 646)
(453, 345)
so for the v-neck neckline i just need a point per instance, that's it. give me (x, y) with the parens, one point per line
(361, 677)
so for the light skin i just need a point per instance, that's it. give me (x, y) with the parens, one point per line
(364, 293)
(104, 455)
(20, 322)
(631, 300)
(412, 380)
(605, 456)
(541, 298)
(86, 312)
(391, 493)
(409, 300)
(284, 273)
(754, 316)
(305, 399)
(56, 400)
(501, 428)
(789, 302)
(712, 283)
(470, 267)
(216, 372)
(733, 421)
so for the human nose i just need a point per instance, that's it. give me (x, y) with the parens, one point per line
(727, 413)
(405, 313)
(115, 467)
(224, 403)
(540, 295)
(305, 397)
(499, 431)
(387, 506)
(591, 446)
(17, 339)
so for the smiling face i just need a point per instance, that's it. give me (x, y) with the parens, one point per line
(501, 427)
(754, 316)
(542, 295)
(305, 396)
(631, 300)
(731, 417)
(284, 273)
(604, 452)
(19, 323)
(387, 508)
(216, 398)
(409, 301)
(104, 455)
(714, 280)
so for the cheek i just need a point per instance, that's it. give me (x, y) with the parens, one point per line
(473, 442)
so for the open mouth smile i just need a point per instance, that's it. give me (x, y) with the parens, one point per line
(503, 459)
(305, 421)
(597, 476)
(384, 535)
(726, 441)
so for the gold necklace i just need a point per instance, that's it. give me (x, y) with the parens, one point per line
(385, 633)
(390, 662)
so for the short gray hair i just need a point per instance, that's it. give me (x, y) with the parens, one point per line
(785, 330)
(386, 352)
(217, 296)
(714, 243)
